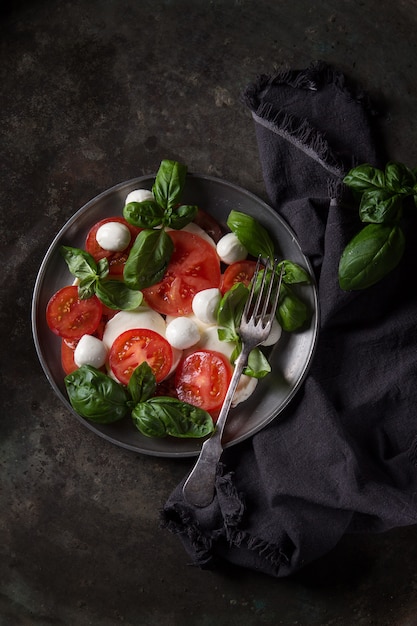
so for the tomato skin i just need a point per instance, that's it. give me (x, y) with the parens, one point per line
(239, 272)
(67, 356)
(116, 260)
(208, 223)
(202, 379)
(194, 266)
(135, 346)
(69, 317)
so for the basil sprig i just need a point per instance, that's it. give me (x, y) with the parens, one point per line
(379, 247)
(93, 279)
(99, 398)
(166, 208)
(152, 250)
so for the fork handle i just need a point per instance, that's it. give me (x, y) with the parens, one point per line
(199, 487)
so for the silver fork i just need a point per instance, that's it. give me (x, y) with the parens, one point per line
(255, 327)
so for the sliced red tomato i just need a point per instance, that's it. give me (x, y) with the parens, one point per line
(135, 346)
(202, 379)
(194, 266)
(70, 317)
(67, 356)
(208, 223)
(116, 260)
(239, 272)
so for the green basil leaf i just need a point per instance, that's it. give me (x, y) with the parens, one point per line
(116, 295)
(80, 263)
(293, 273)
(146, 214)
(162, 416)
(374, 252)
(169, 184)
(379, 206)
(399, 178)
(87, 287)
(258, 366)
(148, 259)
(142, 383)
(254, 237)
(292, 312)
(364, 177)
(103, 268)
(181, 216)
(96, 396)
(230, 312)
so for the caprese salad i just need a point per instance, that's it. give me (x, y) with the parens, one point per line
(149, 323)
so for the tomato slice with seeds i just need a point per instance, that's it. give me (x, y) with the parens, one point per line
(70, 317)
(194, 266)
(135, 346)
(202, 379)
(116, 260)
(239, 272)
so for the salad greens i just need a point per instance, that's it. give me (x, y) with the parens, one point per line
(92, 280)
(378, 248)
(99, 398)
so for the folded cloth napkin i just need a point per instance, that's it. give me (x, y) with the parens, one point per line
(342, 458)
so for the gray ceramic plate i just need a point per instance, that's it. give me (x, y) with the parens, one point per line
(290, 358)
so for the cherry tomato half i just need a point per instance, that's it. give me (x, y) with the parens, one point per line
(116, 260)
(135, 346)
(70, 317)
(239, 272)
(202, 379)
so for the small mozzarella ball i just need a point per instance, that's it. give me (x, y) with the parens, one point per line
(205, 304)
(230, 249)
(113, 236)
(182, 333)
(139, 195)
(90, 351)
(274, 335)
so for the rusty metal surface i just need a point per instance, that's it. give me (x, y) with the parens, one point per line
(95, 92)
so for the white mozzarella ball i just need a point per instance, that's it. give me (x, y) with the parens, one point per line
(139, 195)
(90, 351)
(230, 250)
(274, 335)
(193, 228)
(205, 304)
(113, 236)
(182, 333)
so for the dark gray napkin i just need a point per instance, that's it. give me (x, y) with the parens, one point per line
(343, 456)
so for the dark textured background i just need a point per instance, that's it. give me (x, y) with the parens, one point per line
(95, 92)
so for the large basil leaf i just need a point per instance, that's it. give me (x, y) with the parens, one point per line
(251, 234)
(80, 263)
(371, 254)
(142, 383)
(292, 312)
(365, 177)
(230, 312)
(96, 396)
(399, 178)
(146, 214)
(379, 206)
(169, 184)
(293, 273)
(148, 259)
(162, 416)
(116, 295)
